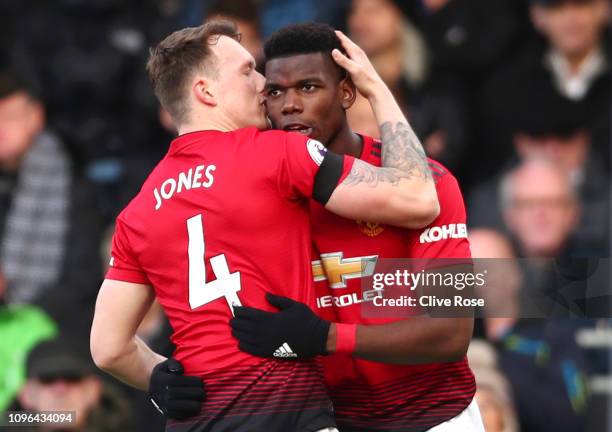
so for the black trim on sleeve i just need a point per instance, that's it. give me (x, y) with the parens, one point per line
(327, 177)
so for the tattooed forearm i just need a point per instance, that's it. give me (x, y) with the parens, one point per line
(371, 176)
(402, 149)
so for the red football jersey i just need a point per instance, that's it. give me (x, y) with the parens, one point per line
(372, 395)
(222, 220)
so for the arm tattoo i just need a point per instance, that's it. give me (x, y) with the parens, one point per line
(402, 149)
(402, 157)
(363, 172)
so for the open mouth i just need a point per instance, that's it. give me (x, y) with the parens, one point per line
(299, 128)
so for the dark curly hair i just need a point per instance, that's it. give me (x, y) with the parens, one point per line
(307, 38)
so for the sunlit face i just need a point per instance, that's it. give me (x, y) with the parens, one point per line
(542, 212)
(20, 121)
(572, 27)
(374, 25)
(238, 86)
(305, 94)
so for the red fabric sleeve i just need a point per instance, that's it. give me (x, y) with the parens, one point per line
(123, 264)
(300, 160)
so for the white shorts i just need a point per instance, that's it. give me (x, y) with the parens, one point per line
(468, 421)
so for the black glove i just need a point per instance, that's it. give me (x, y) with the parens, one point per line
(293, 333)
(174, 394)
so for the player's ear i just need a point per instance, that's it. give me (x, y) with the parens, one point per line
(204, 92)
(349, 92)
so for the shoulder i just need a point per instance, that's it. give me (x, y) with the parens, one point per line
(264, 136)
(270, 142)
(439, 172)
(279, 136)
(134, 216)
(447, 186)
(281, 145)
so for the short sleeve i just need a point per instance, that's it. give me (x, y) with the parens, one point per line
(447, 236)
(301, 159)
(123, 264)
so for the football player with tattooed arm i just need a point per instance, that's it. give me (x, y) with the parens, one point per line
(222, 222)
(382, 374)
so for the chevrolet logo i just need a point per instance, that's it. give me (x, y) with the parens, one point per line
(337, 270)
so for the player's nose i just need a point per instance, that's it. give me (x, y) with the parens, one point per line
(291, 103)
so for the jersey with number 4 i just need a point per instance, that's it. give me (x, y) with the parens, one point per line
(375, 396)
(222, 220)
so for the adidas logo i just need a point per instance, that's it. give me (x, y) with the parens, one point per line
(284, 351)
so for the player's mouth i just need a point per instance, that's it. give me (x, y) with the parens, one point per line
(299, 128)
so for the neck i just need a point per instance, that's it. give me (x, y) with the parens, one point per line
(346, 142)
(200, 122)
(576, 60)
(388, 63)
(10, 166)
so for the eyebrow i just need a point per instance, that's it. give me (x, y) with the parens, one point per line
(250, 63)
(298, 83)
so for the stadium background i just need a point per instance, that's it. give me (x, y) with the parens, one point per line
(489, 86)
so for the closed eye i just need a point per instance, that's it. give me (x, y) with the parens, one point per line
(250, 67)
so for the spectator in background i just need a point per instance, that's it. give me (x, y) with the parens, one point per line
(466, 41)
(493, 393)
(540, 208)
(245, 14)
(494, 255)
(540, 357)
(60, 380)
(555, 130)
(89, 56)
(541, 211)
(571, 63)
(398, 53)
(466, 38)
(48, 227)
(576, 57)
(396, 50)
(21, 328)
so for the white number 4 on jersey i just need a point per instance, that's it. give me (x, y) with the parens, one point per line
(225, 285)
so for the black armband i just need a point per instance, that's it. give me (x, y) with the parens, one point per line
(327, 177)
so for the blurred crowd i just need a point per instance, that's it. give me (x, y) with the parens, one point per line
(513, 96)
